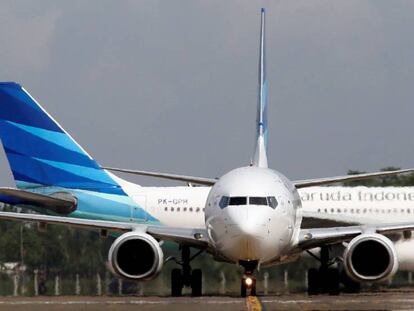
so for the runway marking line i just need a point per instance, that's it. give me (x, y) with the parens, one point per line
(253, 304)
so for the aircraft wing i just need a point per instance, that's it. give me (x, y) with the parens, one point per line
(311, 238)
(195, 237)
(59, 202)
(317, 220)
(189, 179)
(333, 180)
(298, 183)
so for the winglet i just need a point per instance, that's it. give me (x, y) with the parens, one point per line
(260, 154)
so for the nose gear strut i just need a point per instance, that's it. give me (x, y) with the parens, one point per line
(248, 281)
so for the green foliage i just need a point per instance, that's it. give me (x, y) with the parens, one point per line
(58, 250)
(387, 181)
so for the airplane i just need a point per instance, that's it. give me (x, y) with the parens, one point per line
(360, 205)
(250, 216)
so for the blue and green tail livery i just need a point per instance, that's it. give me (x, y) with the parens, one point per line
(45, 159)
(39, 150)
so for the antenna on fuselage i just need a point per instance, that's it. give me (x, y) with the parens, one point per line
(260, 154)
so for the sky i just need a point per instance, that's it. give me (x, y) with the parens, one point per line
(171, 86)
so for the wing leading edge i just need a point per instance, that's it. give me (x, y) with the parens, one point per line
(311, 238)
(194, 237)
(298, 183)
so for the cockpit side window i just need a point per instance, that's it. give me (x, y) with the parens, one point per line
(224, 202)
(272, 202)
(257, 201)
(238, 201)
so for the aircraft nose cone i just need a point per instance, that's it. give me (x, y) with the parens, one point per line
(247, 219)
(246, 231)
(248, 228)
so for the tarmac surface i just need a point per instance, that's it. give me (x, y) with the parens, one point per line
(367, 301)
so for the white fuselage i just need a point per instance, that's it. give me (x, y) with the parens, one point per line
(359, 205)
(364, 205)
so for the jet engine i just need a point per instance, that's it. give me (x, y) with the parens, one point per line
(136, 256)
(370, 258)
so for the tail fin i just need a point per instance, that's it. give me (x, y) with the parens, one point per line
(260, 154)
(39, 150)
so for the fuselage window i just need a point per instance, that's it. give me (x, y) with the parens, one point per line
(238, 201)
(272, 202)
(257, 201)
(224, 201)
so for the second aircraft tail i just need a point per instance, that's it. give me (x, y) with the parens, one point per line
(40, 152)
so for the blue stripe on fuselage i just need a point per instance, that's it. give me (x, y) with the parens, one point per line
(102, 206)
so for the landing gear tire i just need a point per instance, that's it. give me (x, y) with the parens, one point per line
(244, 287)
(313, 282)
(323, 281)
(253, 289)
(326, 279)
(176, 283)
(350, 286)
(196, 283)
(332, 282)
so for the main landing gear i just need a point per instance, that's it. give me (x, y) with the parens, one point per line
(248, 281)
(327, 279)
(186, 276)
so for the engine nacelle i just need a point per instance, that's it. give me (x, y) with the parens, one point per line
(136, 256)
(370, 258)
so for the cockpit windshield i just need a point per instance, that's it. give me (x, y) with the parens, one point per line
(257, 200)
(238, 201)
(266, 201)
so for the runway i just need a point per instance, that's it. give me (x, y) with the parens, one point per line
(368, 301)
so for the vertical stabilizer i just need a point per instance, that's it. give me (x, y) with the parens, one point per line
(260, 154)
(40, 152)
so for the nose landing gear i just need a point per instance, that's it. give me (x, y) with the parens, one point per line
(248, 281)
